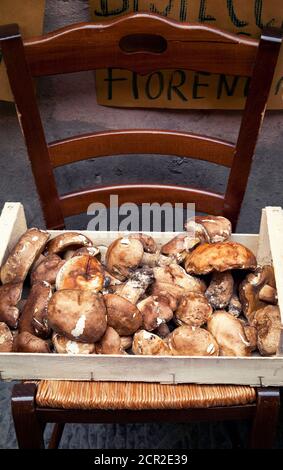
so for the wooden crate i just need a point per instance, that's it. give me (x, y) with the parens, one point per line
(255, 370)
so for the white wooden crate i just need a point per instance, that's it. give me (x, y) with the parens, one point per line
(255, 370)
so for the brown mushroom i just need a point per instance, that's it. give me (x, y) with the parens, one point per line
(180, 246)
(110, 343)
(123, 256)
(147, 241)
(193, 310)
(6, 338)
(87, 250)
(181, 281)
(167, 290)
(251, 287)
(66, 241)
(47, 269)
(23, 255)
(65, 345)
(81, 272)
(235, 306)
(78, 314)
(192, 341)
(268, 294)
(126, 342)
(221, 256)
(149, 344)
(136, 285)
(10, 295)
(220, 289)
(34, 314)
(210, 228)
(162, 330)
(122, 315)
(230, 334)
(268, 324)
(155, 311)
(28, 343)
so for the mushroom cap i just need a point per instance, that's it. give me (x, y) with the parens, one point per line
(220, 289)
(155, 310)
(6, 338)
(193, 310)
(169, 293)
(87, 250)
(47, 269)
(177, 276)
(122, 315)
(268, 324)
(211, 228)
(230, 334)
(149, 344)
(123, 256)
(126, 342)
(34, 314)
(192, 341)
(81, 272)
(251, 287)
(10, 295)
(80, 315)
(64, 345)
(221, 256)
(66, 241)
(23, 255)
(28, 343)
(110, 343)
(180, 245)
(147, 241)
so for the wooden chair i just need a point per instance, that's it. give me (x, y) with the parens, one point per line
(142, 43)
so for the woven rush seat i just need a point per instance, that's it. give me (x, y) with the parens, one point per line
(139, 395)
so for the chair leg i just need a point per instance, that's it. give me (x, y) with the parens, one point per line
(56, 435)
(265, 419)
(29, 429)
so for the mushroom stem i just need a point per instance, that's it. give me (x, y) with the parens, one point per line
(268, 294)
(136, 286)
(235, 306)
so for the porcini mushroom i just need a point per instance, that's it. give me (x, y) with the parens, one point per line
(122, 315)
(110, 343)
(221, 256)
(10, 295)
(81, 272)
(136, 285)
(192, 341)
(23, 255)
(210, 228)
(155, 311)
(181, 282)
(220, 289)
(123, 256)
(230, 334)
(64, 345)
(66, 241)
(28, 343)
(193, 310)
(147, 241)
(47, 269)
(6, 338)
(146, 343)
(180, 246)
(268, 324)
(34, 314)
(80, 315)
(250, 288)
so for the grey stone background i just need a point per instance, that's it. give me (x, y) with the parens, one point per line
(68, 106)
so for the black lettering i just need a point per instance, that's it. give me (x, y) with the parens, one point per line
(258, 15)
(165, 12)
(197, 84)
(236, 21)
(202, 17)
(223, 83)
(279, 85)
(135, 88)
(110, 81)
(175, 87)
(117, 11)
(183, 10)
(148, 85)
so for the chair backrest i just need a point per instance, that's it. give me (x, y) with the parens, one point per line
(142, 43)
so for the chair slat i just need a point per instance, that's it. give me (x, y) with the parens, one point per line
(139, 141)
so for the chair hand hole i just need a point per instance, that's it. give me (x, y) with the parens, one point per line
(143, 43)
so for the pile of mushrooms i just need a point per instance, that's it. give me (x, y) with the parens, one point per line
(200, 294)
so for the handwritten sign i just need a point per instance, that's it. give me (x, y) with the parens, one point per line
(181, 88)
(29, 16)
